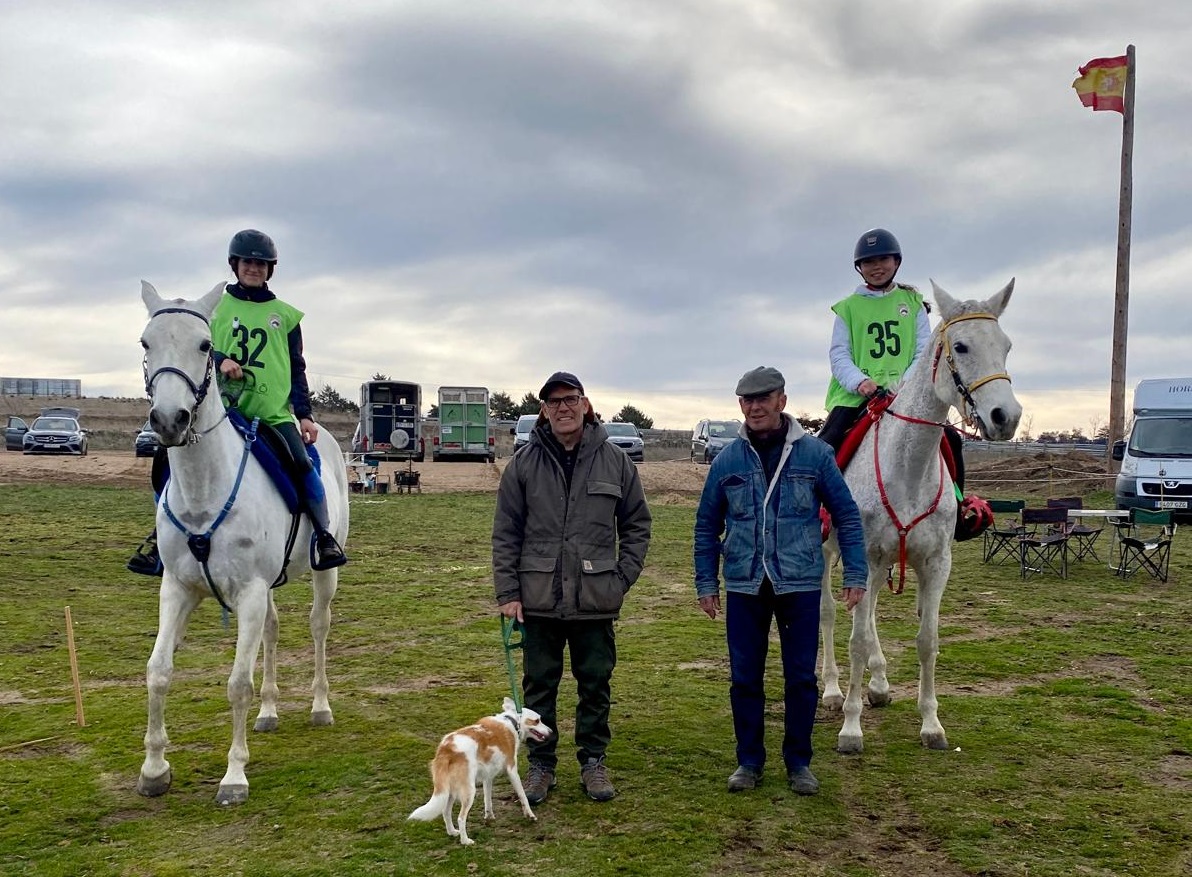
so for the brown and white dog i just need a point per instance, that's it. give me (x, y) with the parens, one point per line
(478, 753)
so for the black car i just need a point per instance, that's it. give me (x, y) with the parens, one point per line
(146, 442)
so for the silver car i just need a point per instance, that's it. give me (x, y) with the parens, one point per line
(55, 435)
(710, 437)
(626, 437)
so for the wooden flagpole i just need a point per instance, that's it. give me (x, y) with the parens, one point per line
(1121, 301)
(74, 670)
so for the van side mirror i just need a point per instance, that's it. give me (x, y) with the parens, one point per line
(1119, 450)
(513, 430)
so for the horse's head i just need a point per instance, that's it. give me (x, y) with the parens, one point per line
(178, 364)
(969, 363)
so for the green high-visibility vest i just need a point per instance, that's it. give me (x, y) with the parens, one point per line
(256, 335)
(882, 338)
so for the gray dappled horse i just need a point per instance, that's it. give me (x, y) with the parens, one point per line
(219, 495)
(908, 508)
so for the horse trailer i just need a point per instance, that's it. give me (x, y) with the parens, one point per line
(1156, 472)
(390, 425)
(465, 426)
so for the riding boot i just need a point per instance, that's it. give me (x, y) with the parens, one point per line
(146, 561)
(328, 553)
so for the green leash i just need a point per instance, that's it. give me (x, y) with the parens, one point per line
(511, 628)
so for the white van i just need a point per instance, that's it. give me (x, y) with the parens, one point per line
(521, 432)
(1156, 460)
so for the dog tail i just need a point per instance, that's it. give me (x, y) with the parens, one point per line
(432, 808)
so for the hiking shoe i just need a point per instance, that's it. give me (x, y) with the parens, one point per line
(328, 554)
(594, 776)
(744, 779)
(539, 781)
(146, 561)
(802, 781)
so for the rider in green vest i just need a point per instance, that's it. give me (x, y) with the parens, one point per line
(258, 337)
(879, 333)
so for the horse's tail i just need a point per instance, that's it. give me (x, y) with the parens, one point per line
(432, 808)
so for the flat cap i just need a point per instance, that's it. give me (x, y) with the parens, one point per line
(560, 379)
(763, 379)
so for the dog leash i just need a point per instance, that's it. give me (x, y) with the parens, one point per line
(510, 628)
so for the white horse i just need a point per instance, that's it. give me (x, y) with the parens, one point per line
(222, 497)
(908, 507)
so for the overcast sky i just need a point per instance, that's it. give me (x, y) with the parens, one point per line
(655, 194)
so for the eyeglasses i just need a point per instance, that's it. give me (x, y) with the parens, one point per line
(570, 401)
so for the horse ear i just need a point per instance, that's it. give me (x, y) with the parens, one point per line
(998, 301)
(150, 297)
(208, 302)
(947, 304)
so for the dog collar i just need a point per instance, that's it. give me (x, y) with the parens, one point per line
(511, 720)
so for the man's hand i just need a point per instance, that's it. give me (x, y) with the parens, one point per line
(309, 430)
(229, 368)
(851, 597)
(867, 388)
(710, 605)
(512, 609)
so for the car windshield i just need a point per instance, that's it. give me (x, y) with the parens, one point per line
(1162, 437)
(55, 424)
(147, 427)
(718, 428)
(621, 429)
(525, 424)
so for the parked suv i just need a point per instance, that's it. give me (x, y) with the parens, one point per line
(146, 442)
(626, 437)
(710, 437)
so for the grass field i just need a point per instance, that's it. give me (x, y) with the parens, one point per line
(1068, 705)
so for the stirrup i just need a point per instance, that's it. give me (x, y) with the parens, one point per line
(331, 558)
(147, 560)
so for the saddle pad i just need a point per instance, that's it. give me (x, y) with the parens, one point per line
(271, 452)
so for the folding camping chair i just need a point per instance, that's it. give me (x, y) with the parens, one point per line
(1000, 541)
(1148, 545)
(1083, 536)
(1043, 550)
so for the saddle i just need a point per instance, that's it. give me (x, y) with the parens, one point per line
(272, 452)
(973, 515)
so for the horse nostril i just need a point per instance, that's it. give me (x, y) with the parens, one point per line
(998, 416)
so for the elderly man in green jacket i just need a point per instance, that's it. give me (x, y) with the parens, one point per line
(570, 536)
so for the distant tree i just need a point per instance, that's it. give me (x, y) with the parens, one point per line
(809, 423)
(528, 405)
(630, 414)
(1049, 437)
(328, 399)
(501, 406)
(380, 377)
(433, 412)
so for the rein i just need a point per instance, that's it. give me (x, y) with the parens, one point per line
(969, 415)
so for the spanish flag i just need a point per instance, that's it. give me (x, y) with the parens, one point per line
(1102, 83)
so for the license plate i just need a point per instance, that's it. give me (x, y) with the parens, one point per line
(1172, 504)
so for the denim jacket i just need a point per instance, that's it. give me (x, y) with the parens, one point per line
(773, 530)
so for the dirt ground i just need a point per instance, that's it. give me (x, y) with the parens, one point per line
(121, 468)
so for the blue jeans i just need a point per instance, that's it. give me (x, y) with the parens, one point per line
(747, 622)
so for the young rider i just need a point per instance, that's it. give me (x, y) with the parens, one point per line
(880, 332)
(254, 331)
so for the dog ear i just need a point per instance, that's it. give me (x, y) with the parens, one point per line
(509, 706)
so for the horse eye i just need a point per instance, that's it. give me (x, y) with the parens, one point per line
(960, 348)
(204, 346)
(144, 346)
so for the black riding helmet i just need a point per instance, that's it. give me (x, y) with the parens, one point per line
(876, 242)
(252, 244)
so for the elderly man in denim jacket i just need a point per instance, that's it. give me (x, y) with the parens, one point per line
(759, 513)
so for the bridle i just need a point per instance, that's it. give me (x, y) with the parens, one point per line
(198, 389)
(968, 410)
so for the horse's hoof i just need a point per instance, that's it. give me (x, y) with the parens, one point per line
(833, 703)
(322, 718)
(849, 745)
(934, 741)
(265, 723)
(879, 698)
(232, 795)
(153, 787)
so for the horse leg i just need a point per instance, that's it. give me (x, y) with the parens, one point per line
(931, 590)
(250, 616)
(174, 608)
(324, 584)
(833, 697)
(879, 682)
(861, 644)
(267, 717)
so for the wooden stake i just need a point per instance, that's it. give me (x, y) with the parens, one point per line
(74, 671)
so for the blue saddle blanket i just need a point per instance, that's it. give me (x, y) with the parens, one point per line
(269, 449)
